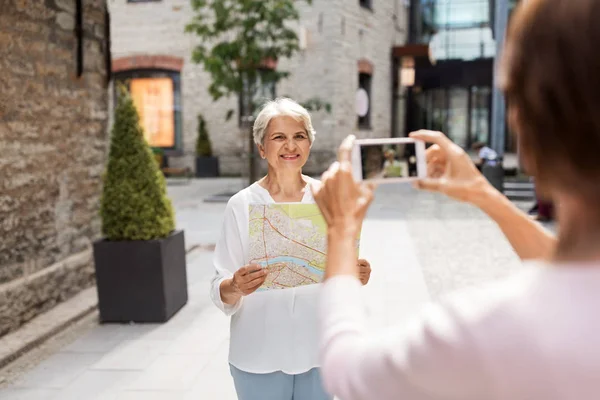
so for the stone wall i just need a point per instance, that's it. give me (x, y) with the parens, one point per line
(339, 34)
(53, 139)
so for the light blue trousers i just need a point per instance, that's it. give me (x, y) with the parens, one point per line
(279, 386)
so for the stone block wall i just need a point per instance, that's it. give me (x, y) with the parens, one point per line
(53, 143)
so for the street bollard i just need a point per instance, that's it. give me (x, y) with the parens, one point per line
(494, 173)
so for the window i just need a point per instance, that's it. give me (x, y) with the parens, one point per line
(79, 35)
(260, 93)
(462, 113)
(364, 101)
(107, 46)
(481, 101)
(452, 14)
(366, 4)
(458, 115)
(157, 97)
(454, 29)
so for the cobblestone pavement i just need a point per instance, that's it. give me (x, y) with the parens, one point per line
(420, 245)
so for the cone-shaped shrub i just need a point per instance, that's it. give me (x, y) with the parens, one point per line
(203, 144)
(134, 203)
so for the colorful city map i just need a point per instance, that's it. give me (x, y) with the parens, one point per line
(290, 240)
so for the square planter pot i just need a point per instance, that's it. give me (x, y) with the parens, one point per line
(207, 167)
(141, 281)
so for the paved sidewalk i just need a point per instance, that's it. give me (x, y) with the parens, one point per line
(420, 246)
(200, 220)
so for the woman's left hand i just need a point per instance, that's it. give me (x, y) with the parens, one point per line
(364, 271)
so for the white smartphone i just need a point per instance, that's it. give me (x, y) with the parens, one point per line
(388, 160)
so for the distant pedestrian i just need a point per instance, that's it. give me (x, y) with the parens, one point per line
(545, 211)
(485, 154)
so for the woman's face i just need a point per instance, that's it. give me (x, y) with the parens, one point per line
(286, 144)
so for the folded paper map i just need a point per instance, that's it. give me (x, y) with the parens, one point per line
(290, 240)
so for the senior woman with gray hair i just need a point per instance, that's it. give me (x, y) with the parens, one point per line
(273, 353)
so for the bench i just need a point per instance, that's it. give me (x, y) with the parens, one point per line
(171, 172)
(177, 172)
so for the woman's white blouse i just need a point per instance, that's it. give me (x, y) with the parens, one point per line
(274, 330)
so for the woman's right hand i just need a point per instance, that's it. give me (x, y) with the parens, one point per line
(244, 282)
(248, 278)
(450, 170)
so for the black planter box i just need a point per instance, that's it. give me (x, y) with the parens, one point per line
(141, 281)
(207, 167)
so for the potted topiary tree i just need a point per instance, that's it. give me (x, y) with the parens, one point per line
(140, 263)
(206, 164)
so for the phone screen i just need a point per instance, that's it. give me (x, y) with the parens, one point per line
(388, 161)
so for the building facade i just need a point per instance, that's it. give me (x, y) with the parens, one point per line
(346, 46)
(53, 135)
(451, 52)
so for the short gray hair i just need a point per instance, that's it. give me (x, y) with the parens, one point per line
(281, 107)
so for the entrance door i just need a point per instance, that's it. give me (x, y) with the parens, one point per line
(461, 113)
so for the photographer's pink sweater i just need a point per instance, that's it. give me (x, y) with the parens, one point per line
(534, 336)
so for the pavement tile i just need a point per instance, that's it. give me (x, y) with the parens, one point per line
(149, 395)
(170, 372)
(101, 339)
(98, 385)
(58, 371)
(28, 394)
(131, 355)
(397, 285)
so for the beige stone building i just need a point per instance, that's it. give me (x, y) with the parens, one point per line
(346, 44)
(53, 139)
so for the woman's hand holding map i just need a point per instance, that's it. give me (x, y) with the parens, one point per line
(249, 278)
(245, 281)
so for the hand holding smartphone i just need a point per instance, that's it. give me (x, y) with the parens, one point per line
(388, 160)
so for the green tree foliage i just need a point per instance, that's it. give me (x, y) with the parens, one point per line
(134, 204)
(203, 144)
(243, 35)
(316, 104)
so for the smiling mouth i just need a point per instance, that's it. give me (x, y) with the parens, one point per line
(290, 157)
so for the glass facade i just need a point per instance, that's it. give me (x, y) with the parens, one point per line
(454, 94)
(454, 29)
(462, 113)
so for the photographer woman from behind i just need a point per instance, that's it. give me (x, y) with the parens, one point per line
(534, 335)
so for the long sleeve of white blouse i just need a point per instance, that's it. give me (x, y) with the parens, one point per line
(228, 258)
(433, 359)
